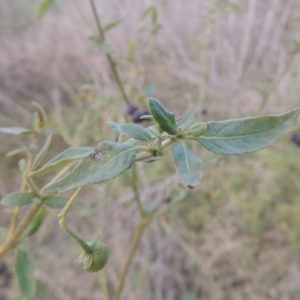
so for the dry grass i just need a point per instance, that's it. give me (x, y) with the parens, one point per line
(234, 237)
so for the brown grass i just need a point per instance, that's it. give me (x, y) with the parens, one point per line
(231, 238)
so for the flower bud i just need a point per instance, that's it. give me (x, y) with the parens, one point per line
(196, 130)
(96, 258)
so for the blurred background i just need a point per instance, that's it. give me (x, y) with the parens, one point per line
(237, 236)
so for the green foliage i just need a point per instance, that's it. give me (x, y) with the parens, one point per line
(25, 274)
(17, 199)
(188, 165)
(108, 161)
(136, 131)
(41, 154)
(44, 7)
(234, 137)
(63, 159)
(112, 25)
(164, 118)
(186, 119)
(16, 130)
(59, 202)
(111, 159)
(36, 222)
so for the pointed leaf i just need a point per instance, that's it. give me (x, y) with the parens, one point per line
(36, 222)
(240, 136)
(136, 131)
(155, 132)
(116, 127)
(64, 158)
(112, 25)
(110, 160)
(16, 151)
(16, 130)
(42, 153)
(25, 274)
(186, 119)
(17, 199)
(44, 7)
(42, 117)
(162, 116)
(59, 202)
(188, 165)
(147, 11)
(196, 130)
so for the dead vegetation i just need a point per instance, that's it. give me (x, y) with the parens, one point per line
(237, 236)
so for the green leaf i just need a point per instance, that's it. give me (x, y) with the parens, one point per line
(106, 48)
(25, 273)
(196, 130)
(136, 131)
(188, 165)
(22, 164)
(36, 222)
(17, 199)
(44, 7)
(110, 160)
(64, 158)
(186, 119)
(16, 151)
(59, 202)
(112, 25)
(240, 136)
(41, 116)
(116, 128)
(154, 16)
(42, 153)
(16, 130)
(162, 116)
(147, 11)
(155, 132)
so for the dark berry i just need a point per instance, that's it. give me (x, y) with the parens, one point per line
(136, 117)
(167, 199)
(295, 138)
(204, 111)
(130, 109)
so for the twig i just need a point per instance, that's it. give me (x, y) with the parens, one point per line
(108, 55)
(140, 230)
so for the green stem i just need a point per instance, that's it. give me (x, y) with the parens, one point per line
(134, 185)
(62, 222)
(140, 230)
(109, 56)
(12, 241)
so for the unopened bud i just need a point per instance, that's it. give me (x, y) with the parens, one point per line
(196, 130)
(96, 259)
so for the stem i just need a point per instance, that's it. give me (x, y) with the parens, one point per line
(17, 210)
(64, 171)
(277, 81)
(135, 190)
(140, 230)
(84, 17)
(62, 222)
(109, 56)
(11, 243)
(165, 143)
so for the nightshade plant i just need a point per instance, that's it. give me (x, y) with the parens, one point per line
(82, 166)
(110, 159)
